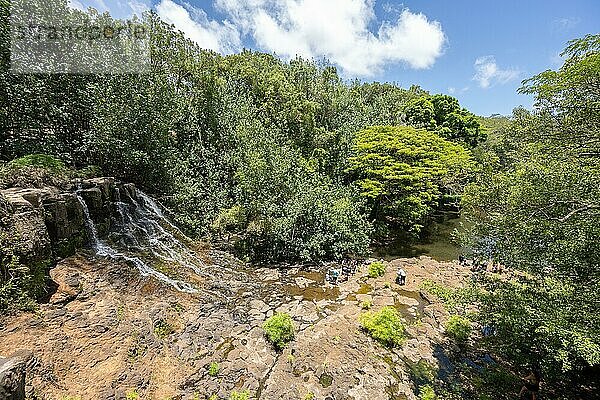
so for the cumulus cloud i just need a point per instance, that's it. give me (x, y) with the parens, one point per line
(338, 30)
(210, 34)
(487, 72)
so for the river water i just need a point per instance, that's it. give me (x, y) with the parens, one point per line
(439, 244)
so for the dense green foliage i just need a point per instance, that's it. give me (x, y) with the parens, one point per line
(404, 172)
(535, 209)
(442, 114)
(279, 330)
(384, 325)
(243, 144)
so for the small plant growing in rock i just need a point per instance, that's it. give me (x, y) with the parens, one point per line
(162, 329)
(376, 269)
(213, 397)
(132, 395)
(291, 358)
(213, 369)
(309, 396)
(387, 285)
(385, 326)
(426, 392)
(279, 330)
(366, 304)
(244, 395)
(120, 312)
(458, 328)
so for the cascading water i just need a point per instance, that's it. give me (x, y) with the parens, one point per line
(140, 231)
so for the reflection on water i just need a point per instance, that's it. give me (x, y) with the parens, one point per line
(439, 245)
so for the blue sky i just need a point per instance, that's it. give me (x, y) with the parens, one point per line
(477, 51)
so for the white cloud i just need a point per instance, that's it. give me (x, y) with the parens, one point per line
(76, 5)
(452, 90)
(222, 36)
(566, 23)
(487, 72)
(338, 30)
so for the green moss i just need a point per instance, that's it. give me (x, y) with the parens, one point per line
(326, 380)
(44, 161)
(426, 392)
(366, 305)
(279, 330)
(162, 329)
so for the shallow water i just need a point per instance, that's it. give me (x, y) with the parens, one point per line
(440, 245)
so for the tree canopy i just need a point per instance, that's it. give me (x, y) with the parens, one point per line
(403, 171)
(535, 209)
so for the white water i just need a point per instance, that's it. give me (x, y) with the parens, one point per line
(160, 242)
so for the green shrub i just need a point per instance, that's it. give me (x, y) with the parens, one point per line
(162, 329)
(213, 369)
(229, 219)
(132, 395)
(385, 326)
(458, 328)
(376, 269)
(244, 395)
(366, 305)
(426, 392)
(279, 329)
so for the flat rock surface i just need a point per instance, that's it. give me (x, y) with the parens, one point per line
(108, 331)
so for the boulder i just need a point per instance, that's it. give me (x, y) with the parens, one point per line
(12, 375)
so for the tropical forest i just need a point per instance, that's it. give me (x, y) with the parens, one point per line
(282, 199)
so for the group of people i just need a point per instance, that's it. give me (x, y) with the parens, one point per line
(478, 265)
(349, 266)
(336, 275)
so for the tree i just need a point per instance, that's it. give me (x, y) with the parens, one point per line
(536, 211)
(442, 114)
(403, 171)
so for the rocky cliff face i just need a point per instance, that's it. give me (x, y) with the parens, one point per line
(51, 225)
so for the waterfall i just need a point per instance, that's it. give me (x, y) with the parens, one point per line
(139, 225)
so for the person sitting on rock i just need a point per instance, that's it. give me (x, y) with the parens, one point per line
(332, 276)
(531, 386)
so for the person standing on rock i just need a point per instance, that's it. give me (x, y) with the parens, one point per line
(401, 277)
